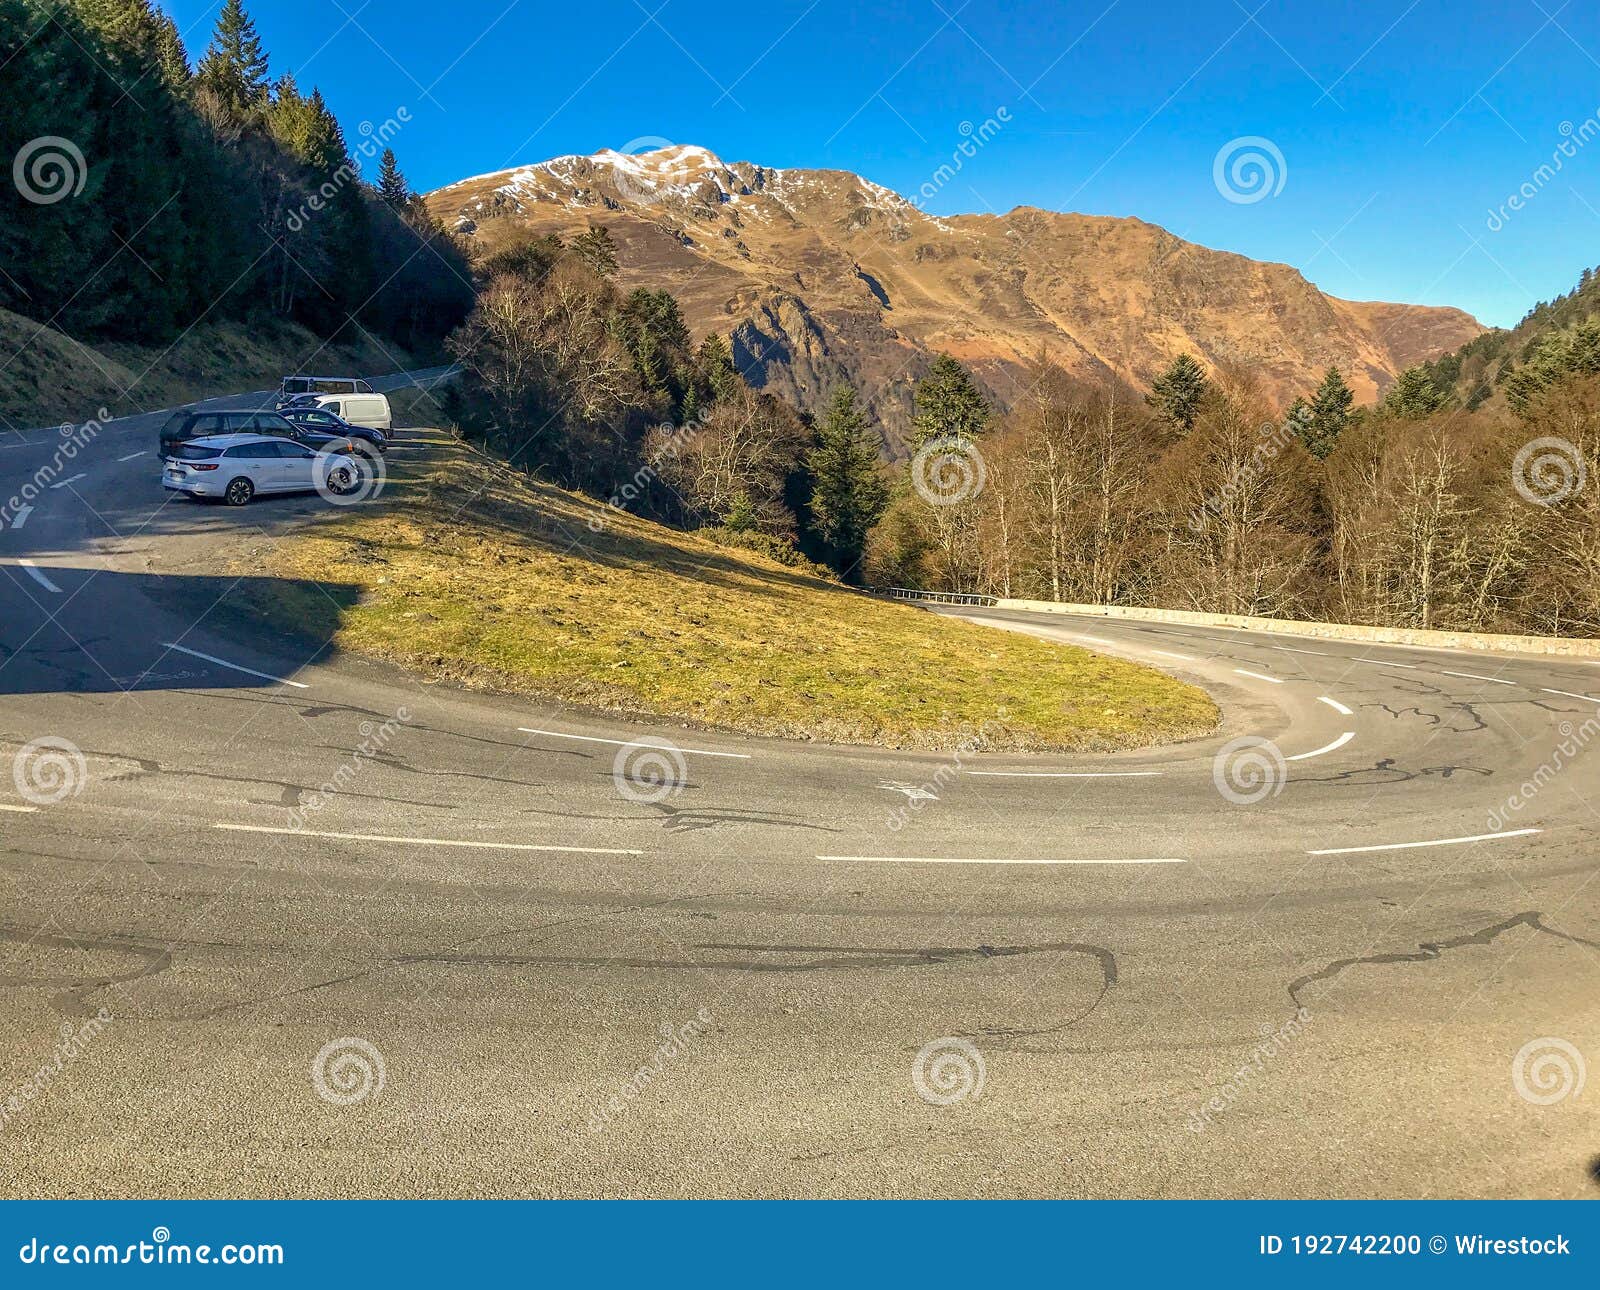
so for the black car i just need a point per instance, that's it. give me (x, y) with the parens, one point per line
(324, 422)
(181, 427)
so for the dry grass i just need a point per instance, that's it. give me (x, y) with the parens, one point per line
(54, 378)
(473, 573)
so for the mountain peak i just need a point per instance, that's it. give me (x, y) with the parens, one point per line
(821, 276)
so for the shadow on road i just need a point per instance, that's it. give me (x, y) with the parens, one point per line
(111, 632)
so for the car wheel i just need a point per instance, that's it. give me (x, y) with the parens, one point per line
(341, 479)
(239, 493)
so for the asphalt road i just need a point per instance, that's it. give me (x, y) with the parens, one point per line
(290, 925)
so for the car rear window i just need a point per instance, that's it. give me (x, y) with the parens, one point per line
(195, 452)
(269, 423)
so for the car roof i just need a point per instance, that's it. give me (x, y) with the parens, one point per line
(301, 377)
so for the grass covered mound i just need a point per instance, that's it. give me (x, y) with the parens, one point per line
(469, 571)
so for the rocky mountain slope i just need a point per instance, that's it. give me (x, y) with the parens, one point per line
(821, 274)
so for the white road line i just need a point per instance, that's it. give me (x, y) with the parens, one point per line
(1095, 640)
(20, 810)
(1340, 742)
(33, 572)
(73, 480)
(1588, 697)
(1473, 676)
(222, 662)
(1382, 662)
(630, 743)
(1436, 842)
(1065, 774)
(473, 843)
(1290, 649)
(1335, 705)
(1274, 680)
(21, 517)
(1166, 653)
(990, 860)
(132, 455)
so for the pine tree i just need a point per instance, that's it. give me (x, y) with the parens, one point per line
(171, 56)
(848, 491)
(596, 248)
(1413, 395)
(392, 186)
(715, 366)
(948, 404)
(1178, 392)
(234, 68)
(1329, 415)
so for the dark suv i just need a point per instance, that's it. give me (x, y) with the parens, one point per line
(182, 427)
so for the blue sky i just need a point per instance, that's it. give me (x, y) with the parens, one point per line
(1401, 125)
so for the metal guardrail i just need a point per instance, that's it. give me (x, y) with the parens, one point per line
(942, 597)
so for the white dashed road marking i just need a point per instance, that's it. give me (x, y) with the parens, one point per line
(1340, 742)
(20, 810)
(630, 743)
(1166, 653)
(990, 860)
(1383, 662)
(72, 480)
(1435, 842)
(1335, 705)
(132, 455)
(1569, 694)
(222, 662)
(1275, 680)
(1064, 774)
(474, 843)
(1290, 649)
(1473, 676)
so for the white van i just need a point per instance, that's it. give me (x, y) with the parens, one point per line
(370, 410)
(294, 386)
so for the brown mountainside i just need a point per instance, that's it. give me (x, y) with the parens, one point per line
(821, 274)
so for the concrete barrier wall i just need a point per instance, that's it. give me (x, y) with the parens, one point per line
(1487, 641)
